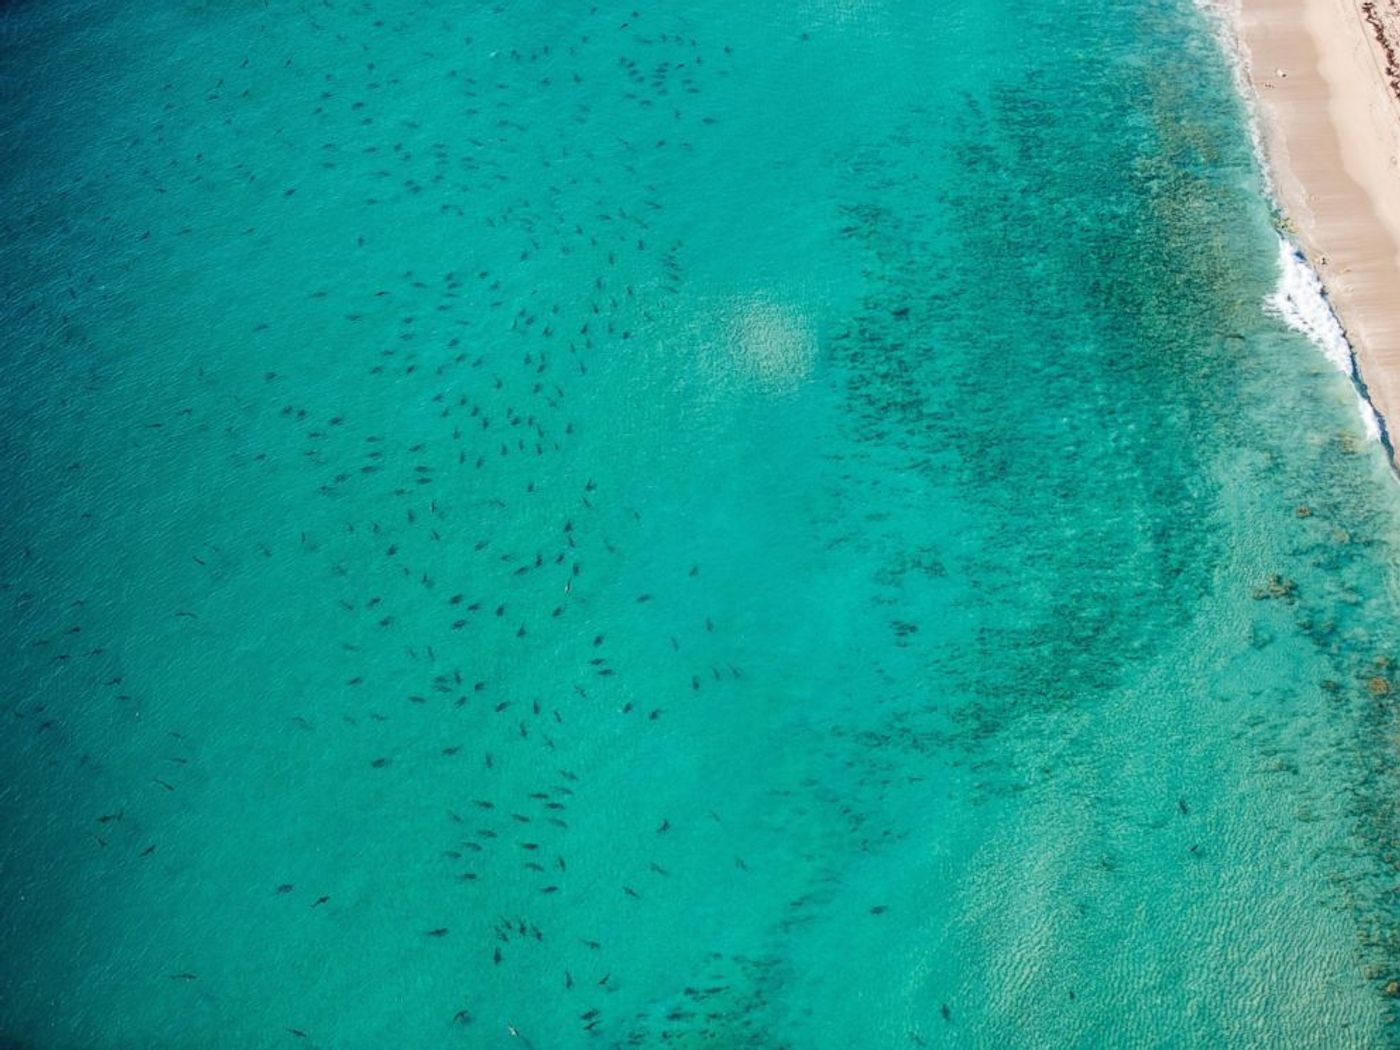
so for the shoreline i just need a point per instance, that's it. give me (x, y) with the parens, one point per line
(1322, 80)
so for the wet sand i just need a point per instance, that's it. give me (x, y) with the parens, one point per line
(1324, 76)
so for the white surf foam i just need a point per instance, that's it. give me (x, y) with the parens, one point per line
(1369, 419)
(1301, 302)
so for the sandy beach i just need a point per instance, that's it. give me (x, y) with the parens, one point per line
(1325, 77)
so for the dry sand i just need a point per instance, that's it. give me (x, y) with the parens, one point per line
(1326, 79)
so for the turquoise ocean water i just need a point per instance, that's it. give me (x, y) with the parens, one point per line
(710, 524)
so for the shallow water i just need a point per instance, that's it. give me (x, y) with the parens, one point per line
(785, 528)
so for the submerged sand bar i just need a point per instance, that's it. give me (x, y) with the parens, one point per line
(1324, 78)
